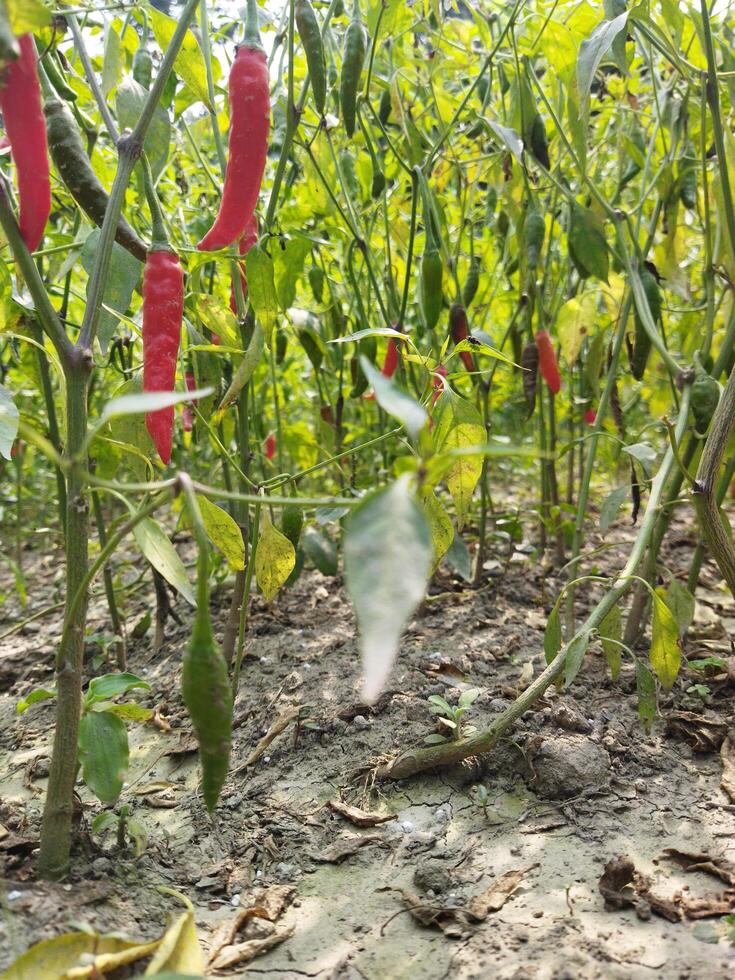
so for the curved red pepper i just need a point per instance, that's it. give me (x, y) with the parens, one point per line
(248, 147)
(270, 446)
(390, 364)
(547, 362)
(25, 125)
(163, 308)
(246, 243)
(590, 416)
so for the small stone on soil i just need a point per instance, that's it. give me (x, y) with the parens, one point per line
(569, 765)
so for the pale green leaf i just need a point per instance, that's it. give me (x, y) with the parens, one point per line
(103, 754)
(274, 558)
(189, 64)
(157, 548)
(9, 418)
(262, 289)
(224, 533)
(665, 653)
(440, 524)
(611, 629)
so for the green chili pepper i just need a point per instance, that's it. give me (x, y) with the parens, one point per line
(204, 681)
(75, 169)
(292, 520)
(385, 106)
(642, 342)
(688, 178)
(378, 185)
(353, 59)
(705, 397)
(472, 281)
(62, 89)
(311, 38)
(281, 346)
(316, 281)
(537, 142)
(349, 175)
(534, 230)
(143, 66)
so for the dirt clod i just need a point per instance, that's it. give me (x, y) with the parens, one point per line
(568, 765)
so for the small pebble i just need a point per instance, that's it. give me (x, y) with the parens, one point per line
(235, 901)
(408, 827)
(14, 896)
(360, 722)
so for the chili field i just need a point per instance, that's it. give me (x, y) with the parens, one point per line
(367, 395)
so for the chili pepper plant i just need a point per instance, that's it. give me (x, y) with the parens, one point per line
(360, 286)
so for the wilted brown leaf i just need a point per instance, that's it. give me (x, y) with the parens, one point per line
(720, 867)
(495, 897)
(360, 818)
(727, 754)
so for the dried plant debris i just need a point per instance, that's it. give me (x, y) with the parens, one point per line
(703, 734)
(257, 925)
(720, 867)
(622, 886)
(358, 817)
(727, 755)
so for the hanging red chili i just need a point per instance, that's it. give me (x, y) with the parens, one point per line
(547, 362)
(390, 364)
(460, 331)
(163, 307)
(25, 126)
(246, 243)
(248, 144)
(270, 446)
(590, 416)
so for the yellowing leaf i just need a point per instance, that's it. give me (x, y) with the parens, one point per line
(189, 62)
(274, 559)
(462, 478)
(76, 954)
(665, 654)
(224, 533)
(440, 525)
(611, 629)
(576, 319)
(27, 15)
(179, 950)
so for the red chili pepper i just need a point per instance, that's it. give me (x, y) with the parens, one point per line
(437, 385)
(590, 416)
(163, 307)
(187, 416)
(270, 446)
(246, 243)
(390, 363)
(248, 144)
(25, 126)
(460, 331)
(547, 362)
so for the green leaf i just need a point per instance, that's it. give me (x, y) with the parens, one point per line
(468, 698)
(189, 64)
(575, 655)
(140, 403)
(224, 533)
(394, 400)
(39, 694)
(665, 653)
(111, 685)
(112, 62)
(275, 558)
(122, 277)
(646, 690)
(262, 290)
(387, 563)
(103, 754)
(591, 52)
(129, 100)
(552, 634)
(246, 368)
(611, 507)
(157, 548)
(509, 138)
(644, 453)
(611, 628)
(481, 349)
(587, 243)
(9, 418)
(289, 263)
(320, 549)
(681, 603)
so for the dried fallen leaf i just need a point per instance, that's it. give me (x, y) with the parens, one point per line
(244, 952)
(622, 887)
(451, 920)
(342, 848)
(703, 734)
(495, 897)
(279, 725)
(727, 754)
(706, 906)
(268, 905)
(720, 867)
(360, 818)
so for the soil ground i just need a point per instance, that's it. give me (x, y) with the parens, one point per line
(578, 782)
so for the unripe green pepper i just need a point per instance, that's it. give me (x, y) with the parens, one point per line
(353, 59)
(705, 398)
(292, 520)
(642, 342)
(311, 38)
(534, 230)
(143, 66)
(432, 272)
(472, 282)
